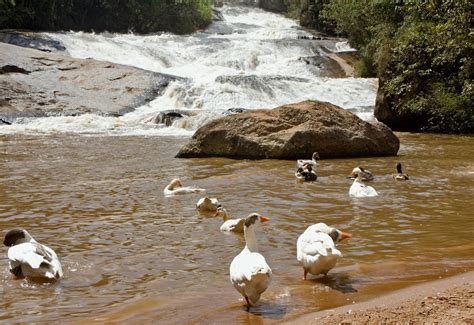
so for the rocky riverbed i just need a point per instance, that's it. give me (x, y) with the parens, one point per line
(35, 83)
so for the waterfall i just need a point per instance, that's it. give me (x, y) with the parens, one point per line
(251, 59)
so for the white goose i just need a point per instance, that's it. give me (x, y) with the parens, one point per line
(207, 205)
(230, 225)
(316, 249)
(176, 187)
(358, 188)
(249, 271)
(400, 176)
(313, 162)
(28, 258)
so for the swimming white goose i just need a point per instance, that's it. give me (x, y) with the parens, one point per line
(313, 162)
(358, 188)
(208, 205)
(316, 249)
(400, 176)
(230, 225)
(249, 271)
(306, 174)
(28, 258)
(176, 187)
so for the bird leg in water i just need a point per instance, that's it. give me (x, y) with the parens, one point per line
(248, 303)
(305, 273)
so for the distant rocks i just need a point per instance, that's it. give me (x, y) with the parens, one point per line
(168, 117)
(290, 132)
(32, 40)
(37, 83)
(278, 6)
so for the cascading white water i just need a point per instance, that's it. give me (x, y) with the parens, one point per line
(252, 59)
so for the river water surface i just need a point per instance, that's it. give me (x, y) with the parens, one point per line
(129, 253)
(91, 187)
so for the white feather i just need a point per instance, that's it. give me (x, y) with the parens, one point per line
(35, 260)
(316, 251)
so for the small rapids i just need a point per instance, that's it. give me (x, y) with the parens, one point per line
(251, 59)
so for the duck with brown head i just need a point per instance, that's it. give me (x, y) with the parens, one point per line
(400, 176)
(306, 173)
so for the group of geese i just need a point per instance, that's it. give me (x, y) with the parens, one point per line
(249, 271)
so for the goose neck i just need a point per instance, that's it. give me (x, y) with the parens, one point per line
(250, 239)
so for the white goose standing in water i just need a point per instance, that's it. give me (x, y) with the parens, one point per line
(28, 258)
(316, 248)
(249, 271)
(176, 187)
(358, 188)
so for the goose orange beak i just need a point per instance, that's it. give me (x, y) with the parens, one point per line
(345, 235)
(264, 219)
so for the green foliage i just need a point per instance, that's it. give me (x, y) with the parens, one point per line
(141, 16)
(421, 51)
(308, 12)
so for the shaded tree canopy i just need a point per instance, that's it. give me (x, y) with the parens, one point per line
(140, 16)
(420, 50)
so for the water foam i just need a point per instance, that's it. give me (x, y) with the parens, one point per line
(251, 60)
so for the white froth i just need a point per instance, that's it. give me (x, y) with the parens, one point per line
(251, 60)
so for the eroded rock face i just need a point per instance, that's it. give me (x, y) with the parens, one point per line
(406, 121)
(37, 83)
(291, 132)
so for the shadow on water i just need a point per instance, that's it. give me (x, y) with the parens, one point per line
(267, 310)
(341, 282)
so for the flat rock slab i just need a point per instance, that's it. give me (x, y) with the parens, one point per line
(38, 83)
(291, 132)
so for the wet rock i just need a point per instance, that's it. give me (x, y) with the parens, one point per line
(260, 83)
(217, 15)
(398, 121)
(290, 132)
(12, 69)
(313, 38)
(236, 110)
(168, 117)
(34, 83)
(278, 6)
(32, 40)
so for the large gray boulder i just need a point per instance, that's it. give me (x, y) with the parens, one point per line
(290, 132)
(37, 83)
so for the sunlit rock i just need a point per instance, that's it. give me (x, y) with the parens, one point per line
(290, 132)
(37, 83)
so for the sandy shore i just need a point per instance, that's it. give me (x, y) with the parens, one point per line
(446, 301)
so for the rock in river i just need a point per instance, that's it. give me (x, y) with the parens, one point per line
(290, 132)
(36, 83)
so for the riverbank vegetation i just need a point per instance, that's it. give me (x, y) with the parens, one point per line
(420, 50)
(145, 16)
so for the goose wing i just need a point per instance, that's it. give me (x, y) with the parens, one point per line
(361, 190)
(234, 225)
(33, 254)
(246, 266)
(310, 245)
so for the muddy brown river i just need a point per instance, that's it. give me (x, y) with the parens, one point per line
(130, 255)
